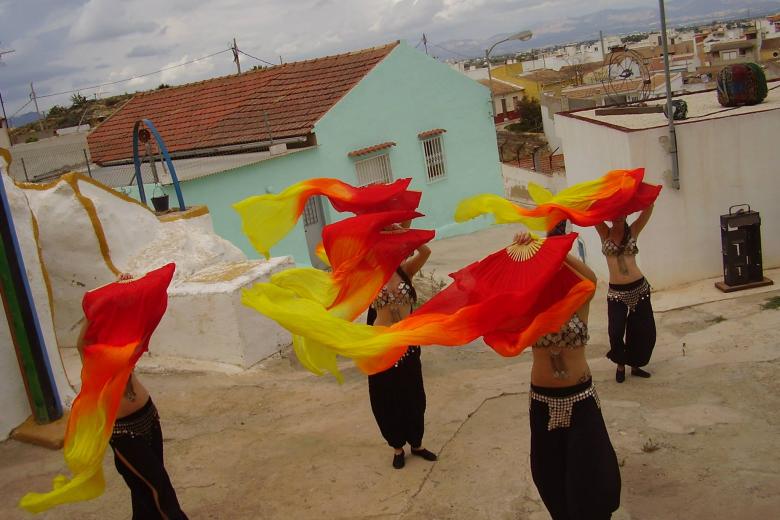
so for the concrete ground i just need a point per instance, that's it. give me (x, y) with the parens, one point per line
(697, 440)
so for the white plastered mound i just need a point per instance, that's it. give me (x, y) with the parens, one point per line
(88, 233)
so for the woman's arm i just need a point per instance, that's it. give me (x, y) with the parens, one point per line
(80, 340)
(603, 230)
(641, 221)
(412, 266)
(580, 268)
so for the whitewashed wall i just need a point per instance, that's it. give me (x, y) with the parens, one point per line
(516, 182)
(723, 162)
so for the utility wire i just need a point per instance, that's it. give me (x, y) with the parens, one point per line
(133, 77)
(20, 109)
(256, 58)
(451, 52)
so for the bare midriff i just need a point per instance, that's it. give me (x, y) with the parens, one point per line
(543, 372)
(626, 273)
(134, 397)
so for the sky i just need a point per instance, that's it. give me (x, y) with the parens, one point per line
(66, 44)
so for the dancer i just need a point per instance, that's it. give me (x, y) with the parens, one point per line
(573, 463)
(119, 319)
(137, 443)
(631, 323)
(397, 394)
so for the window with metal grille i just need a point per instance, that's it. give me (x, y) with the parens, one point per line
(433, 148)
(374, 170)
(311, 212)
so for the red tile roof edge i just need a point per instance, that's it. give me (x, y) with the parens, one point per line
(390, 45)
(371, 149)
(430, 133)
(384, 50)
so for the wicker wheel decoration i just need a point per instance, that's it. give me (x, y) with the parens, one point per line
(627, 74)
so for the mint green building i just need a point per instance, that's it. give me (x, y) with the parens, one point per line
(369, 116)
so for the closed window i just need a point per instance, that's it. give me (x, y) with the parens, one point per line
(374, 170)
(728, 55)
(433, 148)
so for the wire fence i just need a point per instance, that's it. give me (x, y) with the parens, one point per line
(49, 158)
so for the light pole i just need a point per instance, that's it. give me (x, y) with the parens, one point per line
(669, 107)
(521, 36)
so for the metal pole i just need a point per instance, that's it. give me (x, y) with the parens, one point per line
(37, 110)
(490, 82)
(24, 167)
(234, 48)
(86, 158)
(669, 111)
(3, 105)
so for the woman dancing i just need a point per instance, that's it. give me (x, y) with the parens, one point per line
(573, 463)
(630, 313)
(137, 443)
(397, 394)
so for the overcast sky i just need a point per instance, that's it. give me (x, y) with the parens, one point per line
(67, 44)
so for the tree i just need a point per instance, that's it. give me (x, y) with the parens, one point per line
(531, 116)
(57, 110)
(162, 86)
(77, 100)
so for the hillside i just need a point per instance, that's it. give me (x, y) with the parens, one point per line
(81, 111)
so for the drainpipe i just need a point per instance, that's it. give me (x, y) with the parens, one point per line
(669, 111)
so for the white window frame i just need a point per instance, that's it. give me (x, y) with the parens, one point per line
(374, 170)
(435, 158)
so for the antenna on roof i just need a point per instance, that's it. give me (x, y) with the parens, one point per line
(235, 50)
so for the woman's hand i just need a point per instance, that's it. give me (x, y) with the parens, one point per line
(394, 230)
(523, 238)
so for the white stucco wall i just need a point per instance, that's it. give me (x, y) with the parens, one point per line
(206, 320)
(723, 162)
(13, 397)
(516, 182)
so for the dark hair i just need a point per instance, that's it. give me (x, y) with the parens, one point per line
(559, 229)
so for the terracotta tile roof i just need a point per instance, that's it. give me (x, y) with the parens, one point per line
(430, 133)
(230, 110)
(501, 88)
(371, 149)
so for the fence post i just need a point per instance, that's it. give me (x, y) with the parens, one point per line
(89, 170)
(24, 167)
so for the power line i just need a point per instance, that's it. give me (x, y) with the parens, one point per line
(256, 58)
(20, 109)
(133, 77)
(451, 52)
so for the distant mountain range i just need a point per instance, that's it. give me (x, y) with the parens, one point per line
(612, 21)
(24, 119)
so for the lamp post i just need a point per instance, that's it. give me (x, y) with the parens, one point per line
(669, 107)
(521, 36)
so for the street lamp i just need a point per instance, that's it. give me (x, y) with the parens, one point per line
(521, 36)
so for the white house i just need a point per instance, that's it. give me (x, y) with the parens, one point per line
(726, 157)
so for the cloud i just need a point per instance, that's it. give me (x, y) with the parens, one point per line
(107, 19)
(67, 44)
(145, 51)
